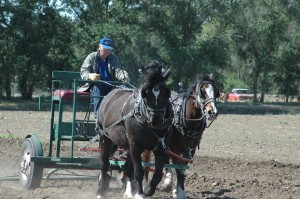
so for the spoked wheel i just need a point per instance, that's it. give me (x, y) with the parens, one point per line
(99, 176)
(31, 173)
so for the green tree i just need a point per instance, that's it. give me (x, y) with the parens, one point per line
(258, 29)
(287, 73)
(41, 43)
(173, 32)
(7, 48)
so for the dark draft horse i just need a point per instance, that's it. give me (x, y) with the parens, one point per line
(192, 110)
(136, 119)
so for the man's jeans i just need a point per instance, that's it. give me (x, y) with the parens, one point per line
(99, 91)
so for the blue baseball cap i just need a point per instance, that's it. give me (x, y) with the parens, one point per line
(106, 43)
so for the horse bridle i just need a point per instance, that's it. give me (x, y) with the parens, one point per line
(198, 95)
(144, 114)
(199, 102)
(202, 101)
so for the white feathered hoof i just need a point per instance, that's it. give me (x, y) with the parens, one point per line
(138, 196)
(128, 189)
(168, 182)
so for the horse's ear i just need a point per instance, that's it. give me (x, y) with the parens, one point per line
(167, 74)
(217, 92)
(142, 71)
(211, 76)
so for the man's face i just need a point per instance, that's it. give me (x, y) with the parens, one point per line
(104, 52)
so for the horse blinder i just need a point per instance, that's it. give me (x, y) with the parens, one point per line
(208, 94)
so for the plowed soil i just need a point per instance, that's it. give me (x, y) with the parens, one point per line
(240, 156)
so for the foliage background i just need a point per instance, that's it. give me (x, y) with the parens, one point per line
(251, 44)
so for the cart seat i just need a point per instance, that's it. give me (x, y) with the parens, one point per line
(68, 95)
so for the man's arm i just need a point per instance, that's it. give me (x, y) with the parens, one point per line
(120, 73)
(87, 66)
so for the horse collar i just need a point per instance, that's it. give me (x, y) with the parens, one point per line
(142, 114)
(179, 120)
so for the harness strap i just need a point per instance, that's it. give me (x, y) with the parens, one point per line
(117, 122)
(143, 114)
(180, 120)
(96, 138)
(182, 159)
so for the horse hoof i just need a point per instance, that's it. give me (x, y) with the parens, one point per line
(138, 196)
(98, 197)
(126, 195)
(167, 185)
(148, 191)
(179, 194)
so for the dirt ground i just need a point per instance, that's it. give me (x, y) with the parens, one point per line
(240, 156)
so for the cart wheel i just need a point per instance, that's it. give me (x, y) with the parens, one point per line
(31, 173)
(99, 176)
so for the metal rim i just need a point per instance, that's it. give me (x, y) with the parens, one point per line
(25, 165)
(99, 176)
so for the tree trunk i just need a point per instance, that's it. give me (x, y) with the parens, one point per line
(262, 97)
(255, 80)
(26, 88)
(287, 96)
(7, 86)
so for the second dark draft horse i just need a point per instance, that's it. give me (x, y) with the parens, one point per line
(136, 120)
(193, 110)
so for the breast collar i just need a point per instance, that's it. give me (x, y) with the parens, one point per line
(143, 113)
(179, 120)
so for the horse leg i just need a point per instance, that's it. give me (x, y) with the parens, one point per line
(179, 192)
(104, 178)
(128, 174)
(146, 158)
(137, 183)
(160, 159)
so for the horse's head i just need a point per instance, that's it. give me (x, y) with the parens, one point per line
(206, 94)
(155, 93)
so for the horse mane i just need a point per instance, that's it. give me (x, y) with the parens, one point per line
(204, 78)
(191, 88)
(152, 74)
(208, 78)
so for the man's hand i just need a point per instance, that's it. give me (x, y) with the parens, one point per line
(94, 76)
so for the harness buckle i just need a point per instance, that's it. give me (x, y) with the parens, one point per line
(162, 141)
(190, 151)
